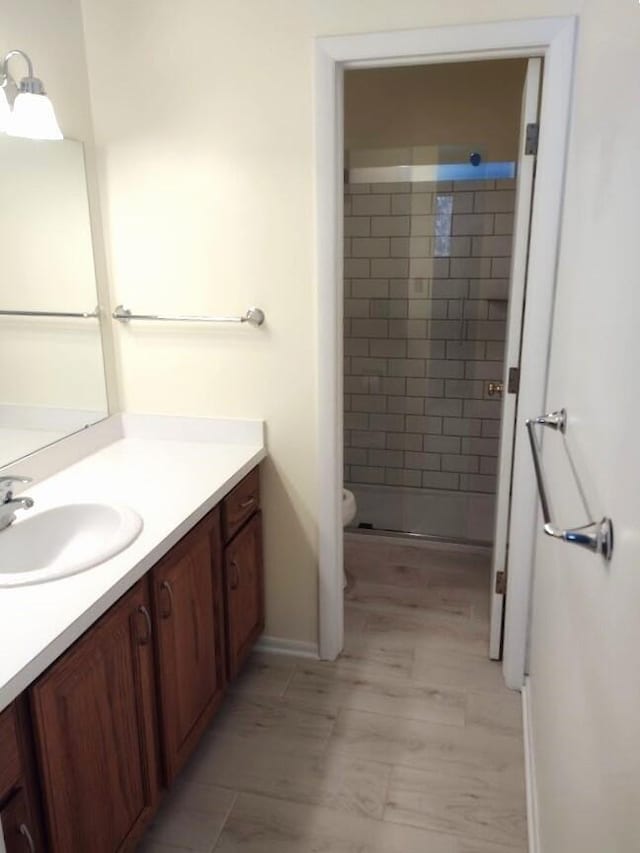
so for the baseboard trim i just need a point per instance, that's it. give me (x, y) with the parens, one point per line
(530, 772)
(282, 646)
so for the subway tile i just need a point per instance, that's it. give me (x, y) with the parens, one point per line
(402, 477)
(359, 385)
(489, 465)
(492, 246)
(421, 204)
(454, 309)
(392, 308)
(346, 287)
(355, 456)
(400, 204)
(425, 387)
(346, 205)
(493, 288)
(386, 458)
(483, 370)
(369, 288)
(496, 201)
(357, 189)
(390, 226)
(463, 202)
(443, 407)
(357, 346)
(399, 247)
(370, 247)
(423, 309)
(406, 367)
(440, 480)
(449, 288)
(391, 187)
(480, 446)
(420, 247)
(366, 474)
(407, 329)
(464, 388)
(469, 267)
(347, 403)
(372, 204)
(357, 226)
(424, 424)
(482, 409)
(428, 267)
(346, 250)
(486, 330)
(368, 403)
(441, 443)
(369, 328)
(460, 247)
(356, 307)
(500, 267)
(462, 426)
(473, 186)
(443, 329)
(498, 310)
(504, 223)
(491, 429)
(393, 385)
(472, 223)
(425, 349)
(368, 438)
(388, 348)
(419, 288)
(389, 423)
(406, 405)
(495, 350)
(465, 349)
(369, 366)
(423, 461)
(431, 186)
(404, 441)
(356, 268)
(461, 464)
(423, 226)
(356, 421)
(477, 483)
(389, 267)
(476, 309)
(445, 368)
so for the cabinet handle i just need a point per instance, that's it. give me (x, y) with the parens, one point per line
(145, 640)
(235, 577)
(24, 831)
(248, 502)
(167, 587)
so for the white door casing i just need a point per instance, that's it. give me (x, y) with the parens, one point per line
(553, 39)
(518, 277)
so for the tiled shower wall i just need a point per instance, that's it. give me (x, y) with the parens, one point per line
(426, 290)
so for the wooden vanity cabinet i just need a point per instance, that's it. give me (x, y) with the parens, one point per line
(243, 571)
(94, 714)
(189, 621)
(15, 819)
(19, 806)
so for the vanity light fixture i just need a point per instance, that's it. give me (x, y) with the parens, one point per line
(32, 115)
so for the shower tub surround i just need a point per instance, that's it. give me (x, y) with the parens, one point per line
(426, 294)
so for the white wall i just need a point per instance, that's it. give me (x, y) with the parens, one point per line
(203, 117)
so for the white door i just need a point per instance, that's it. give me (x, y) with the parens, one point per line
(520, 251)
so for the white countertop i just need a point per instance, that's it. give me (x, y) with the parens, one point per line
(171, 482)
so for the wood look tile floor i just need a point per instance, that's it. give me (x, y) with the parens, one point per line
(409, 743)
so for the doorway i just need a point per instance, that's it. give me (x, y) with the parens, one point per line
(553, 39)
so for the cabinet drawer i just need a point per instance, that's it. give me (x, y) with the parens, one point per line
(240, 504)
(9, 752)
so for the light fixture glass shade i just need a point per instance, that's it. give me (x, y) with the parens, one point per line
(33, 118)
(5, 110)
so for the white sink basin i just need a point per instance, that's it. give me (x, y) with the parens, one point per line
(64, 541)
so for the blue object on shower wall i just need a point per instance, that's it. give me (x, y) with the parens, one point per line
(469, 172)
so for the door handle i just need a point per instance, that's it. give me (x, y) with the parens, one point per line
(235, 575)
(248, 502)
(166, 586)
(24, 831)
(147, 618)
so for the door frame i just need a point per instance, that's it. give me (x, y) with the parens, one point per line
(553, 39)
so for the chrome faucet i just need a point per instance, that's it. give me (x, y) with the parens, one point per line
(9, 504)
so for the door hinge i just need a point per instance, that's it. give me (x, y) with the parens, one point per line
(531, 138)
(501, 583)
(513, 381)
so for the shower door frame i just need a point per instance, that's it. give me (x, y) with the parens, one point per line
(553, 39)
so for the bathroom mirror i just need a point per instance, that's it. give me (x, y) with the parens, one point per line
(52, 372)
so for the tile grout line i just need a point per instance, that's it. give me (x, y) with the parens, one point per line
(236, 794)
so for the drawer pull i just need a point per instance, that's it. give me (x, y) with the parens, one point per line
(147, 618)
(248, 502)
(235, 576)
(24, 831)
(166, 586)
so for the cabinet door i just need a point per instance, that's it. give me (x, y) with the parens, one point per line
(188, 613)
(19, 835)
(244, 592)
(94, 718)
